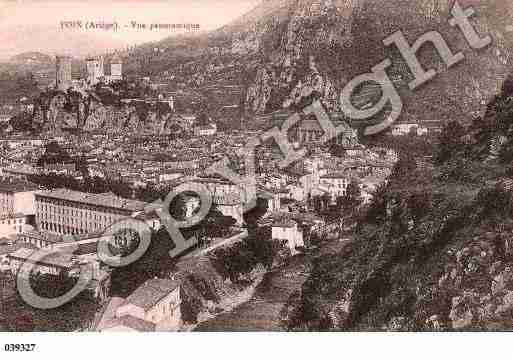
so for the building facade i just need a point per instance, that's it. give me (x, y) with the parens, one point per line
(116, 69)
(157, 301)
(16, 224)
(63, 73)
(288, 232)
(64, 211)
(16, 199)
(335, 184)
(94, 70)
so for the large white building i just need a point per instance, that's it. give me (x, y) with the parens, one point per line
(16, 198)
(335, 183)
(13, 225)
(116, 69)
(17, 207)
(63, 211)
(288, 232)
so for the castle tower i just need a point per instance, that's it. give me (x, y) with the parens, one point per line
(63, 73)
(116, 68)
(94, 70)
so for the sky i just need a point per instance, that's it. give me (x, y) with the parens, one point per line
(35, 25)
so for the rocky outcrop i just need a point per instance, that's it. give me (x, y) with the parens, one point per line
(259, 94)
(52, 114)
(344, 39)
(292, 45)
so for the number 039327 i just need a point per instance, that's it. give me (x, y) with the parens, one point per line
(19, 347)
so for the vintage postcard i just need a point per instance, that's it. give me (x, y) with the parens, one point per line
(255, 166)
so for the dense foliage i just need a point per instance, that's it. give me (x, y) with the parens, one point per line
(433, 252)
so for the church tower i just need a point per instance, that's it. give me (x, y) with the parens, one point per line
(116, 68)
(94, 70)
(62, 73)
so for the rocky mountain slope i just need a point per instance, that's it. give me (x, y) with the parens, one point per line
(284, 50)
(27, 58)
(321, 45)
(434, 251)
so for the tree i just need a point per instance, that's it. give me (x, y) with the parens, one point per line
(22, 122)
(126, 241)
(493, 203)
(377, 207)
(234, 261)
(155, 262)
(317, 203)
(216, 224)
(262, 246)
(352, 197)
(404, 168)
(450, 141)
(177, 208)
(326, 200)
(54, 153)
(251, 217)
(419, 204)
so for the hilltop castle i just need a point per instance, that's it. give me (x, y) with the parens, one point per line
(96, 70)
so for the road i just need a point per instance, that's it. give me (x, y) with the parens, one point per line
(262, 311)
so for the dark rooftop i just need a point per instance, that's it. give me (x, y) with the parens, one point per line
(151, 292)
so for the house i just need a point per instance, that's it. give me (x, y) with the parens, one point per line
(8, 246)
(288, 231)
(301, 183)
(5, 116)
(272, 197)
(20, 172)
(368, 187)
(206, 130)
(37, 239)
(158, 301)
(335, 184)
(356, 151)
(170, 175)
(14, 224)
(402, 129)
(108, 318)
(54, 263)
(230, 205)
(381, 169)
(17, 197)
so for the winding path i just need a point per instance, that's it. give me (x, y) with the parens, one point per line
(262, 311)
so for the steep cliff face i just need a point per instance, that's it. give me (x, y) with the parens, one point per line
(55, 112)
(311, 45)
(286, 49)
(291, 40)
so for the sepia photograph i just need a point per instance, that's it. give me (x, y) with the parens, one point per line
(303, 168)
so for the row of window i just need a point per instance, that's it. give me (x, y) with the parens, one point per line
(73, 211)
(62, 229)
(57, 218)
(14, 221)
